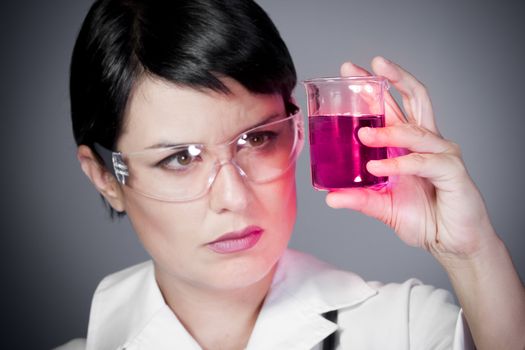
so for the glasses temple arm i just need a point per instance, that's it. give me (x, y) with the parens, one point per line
(113, 162)
(105, 155)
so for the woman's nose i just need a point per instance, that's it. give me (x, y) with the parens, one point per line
(229, 190)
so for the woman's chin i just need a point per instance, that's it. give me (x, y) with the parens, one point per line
(241, 273)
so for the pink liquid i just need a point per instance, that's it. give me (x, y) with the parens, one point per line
(338, 158)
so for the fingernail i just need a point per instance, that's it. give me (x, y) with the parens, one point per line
(330, 202)
(385, 60)
(348, 65)
(366, 131)
(372, 164)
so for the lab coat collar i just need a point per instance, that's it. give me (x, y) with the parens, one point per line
(129, 312)
(303, 289)
(127, 307)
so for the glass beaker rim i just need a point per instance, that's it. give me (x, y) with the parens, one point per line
(364, 78)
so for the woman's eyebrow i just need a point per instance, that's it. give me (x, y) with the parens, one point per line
(270, 118)
(168, 145)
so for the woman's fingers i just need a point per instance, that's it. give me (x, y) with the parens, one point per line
(348, 69)
(416, 100)
(367, 201)
(409, 136)
(394, 114)
(434, 158)
(445, 171)
(431, 166)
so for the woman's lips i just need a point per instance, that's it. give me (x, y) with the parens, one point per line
(237, 241)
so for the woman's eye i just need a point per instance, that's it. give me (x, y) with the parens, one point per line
(259, 139)
(178, 161)
(183, 159)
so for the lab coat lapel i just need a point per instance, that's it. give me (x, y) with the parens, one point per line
(122, 305)
(163, 332)
(303, 289)
(129, 312)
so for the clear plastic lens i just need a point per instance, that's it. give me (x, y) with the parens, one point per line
(186, 172)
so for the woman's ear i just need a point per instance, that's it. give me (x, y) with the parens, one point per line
(104, 182)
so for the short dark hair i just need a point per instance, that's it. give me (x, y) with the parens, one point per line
(187, 42)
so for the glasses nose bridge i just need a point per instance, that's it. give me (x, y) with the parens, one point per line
(225, 154)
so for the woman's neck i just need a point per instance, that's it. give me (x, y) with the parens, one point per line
(216, 319)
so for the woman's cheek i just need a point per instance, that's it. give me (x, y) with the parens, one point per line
(161, 226)
(281, 204)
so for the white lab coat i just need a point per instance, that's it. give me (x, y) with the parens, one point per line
(128, 312)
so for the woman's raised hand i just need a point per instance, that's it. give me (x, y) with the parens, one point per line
(430, 201)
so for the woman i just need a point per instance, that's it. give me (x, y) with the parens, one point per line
(185, 121)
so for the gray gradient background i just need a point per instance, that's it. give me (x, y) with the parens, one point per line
(57, 239)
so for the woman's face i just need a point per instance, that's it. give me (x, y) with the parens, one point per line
(178, 234)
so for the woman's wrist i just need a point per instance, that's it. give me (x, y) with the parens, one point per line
(490, 292)
(474, 256)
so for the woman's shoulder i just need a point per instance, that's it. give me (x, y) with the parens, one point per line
(409, 298)
(117, 289)
(303, 266)
(409, 312)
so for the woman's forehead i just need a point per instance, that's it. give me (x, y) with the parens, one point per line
(162, 112)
